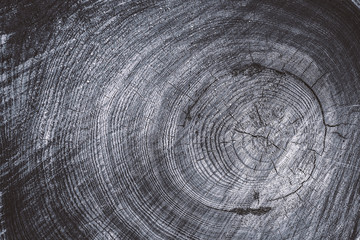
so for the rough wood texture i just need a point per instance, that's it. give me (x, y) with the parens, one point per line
(180, 120)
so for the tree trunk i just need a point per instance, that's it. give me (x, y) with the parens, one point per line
(180, 119)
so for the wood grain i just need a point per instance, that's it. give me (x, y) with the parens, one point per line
(180, 119)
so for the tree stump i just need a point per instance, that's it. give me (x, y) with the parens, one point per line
(180, 119)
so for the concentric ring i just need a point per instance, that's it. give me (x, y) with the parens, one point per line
(180, 120)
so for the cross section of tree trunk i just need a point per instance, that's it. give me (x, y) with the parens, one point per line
(236, 119)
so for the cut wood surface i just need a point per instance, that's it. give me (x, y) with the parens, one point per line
(180, 119)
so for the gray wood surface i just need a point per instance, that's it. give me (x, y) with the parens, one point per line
(180, 119)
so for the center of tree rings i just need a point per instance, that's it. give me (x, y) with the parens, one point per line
(254, 130)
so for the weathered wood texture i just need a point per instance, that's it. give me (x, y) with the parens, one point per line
(180, 120)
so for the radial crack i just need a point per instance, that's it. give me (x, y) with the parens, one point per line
(259, 136)
(301, 184)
